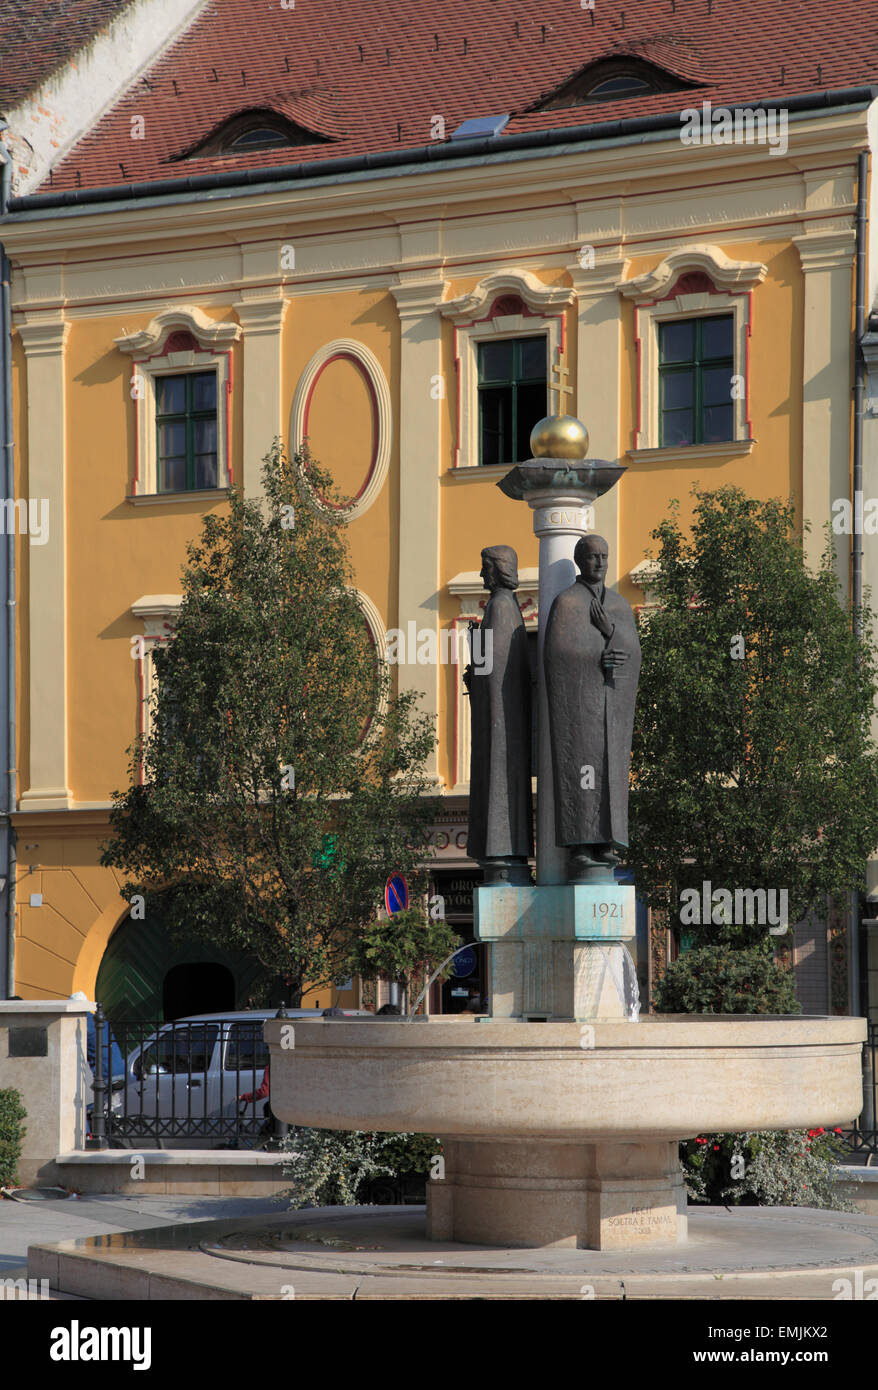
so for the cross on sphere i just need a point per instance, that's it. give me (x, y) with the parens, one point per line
(560, 388)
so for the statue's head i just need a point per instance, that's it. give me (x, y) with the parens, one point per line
(590, 557)
(499, 567)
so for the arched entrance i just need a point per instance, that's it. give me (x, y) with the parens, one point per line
(145, 976)
(199, 987)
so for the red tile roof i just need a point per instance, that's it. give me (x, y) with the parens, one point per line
(36, 39)
(375, 76)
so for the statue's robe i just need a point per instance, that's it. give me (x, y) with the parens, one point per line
(500, 803)
(591, 715)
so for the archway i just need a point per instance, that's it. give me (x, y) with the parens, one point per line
(202, 978)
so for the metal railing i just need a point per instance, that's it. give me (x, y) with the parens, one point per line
(180, 1083)
(863, 1137)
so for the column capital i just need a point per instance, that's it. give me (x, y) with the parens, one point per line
(830, 249)
(604, 277)
(416, 295)
(260, 314)
(44, 336)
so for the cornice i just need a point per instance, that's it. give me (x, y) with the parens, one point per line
(602, 167)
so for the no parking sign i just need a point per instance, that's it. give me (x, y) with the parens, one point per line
(396, 894)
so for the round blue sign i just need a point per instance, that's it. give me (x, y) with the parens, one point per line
(464, 963)
(396, 894)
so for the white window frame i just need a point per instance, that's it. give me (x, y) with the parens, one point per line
(472, 325)
(149, 360)
(158, 613)
(734, 282)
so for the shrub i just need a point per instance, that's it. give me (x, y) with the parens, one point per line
(772, 1168)
(330, 1167)
(12, 1132)
(726, 980)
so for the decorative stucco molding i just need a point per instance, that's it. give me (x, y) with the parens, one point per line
(514, 280)
(725, 273)
(188, 317)
(349, 349)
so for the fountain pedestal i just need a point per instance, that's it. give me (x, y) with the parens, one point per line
(537, 1192)
(557, 951)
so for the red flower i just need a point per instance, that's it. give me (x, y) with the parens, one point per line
(716, 1148)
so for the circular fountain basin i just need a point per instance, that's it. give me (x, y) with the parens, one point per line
(670, 1077)
(565, 1133)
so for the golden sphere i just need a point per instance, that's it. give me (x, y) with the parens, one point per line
(559, 437)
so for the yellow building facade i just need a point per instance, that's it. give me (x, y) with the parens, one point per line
(354, 311)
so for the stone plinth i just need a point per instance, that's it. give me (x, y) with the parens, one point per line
(557, 950)
(565, 1133)
(586, 1196)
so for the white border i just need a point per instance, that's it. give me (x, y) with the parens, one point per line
(383, 424)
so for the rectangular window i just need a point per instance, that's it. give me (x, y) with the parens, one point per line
(186, 428)
(512, 397)
(696, 365)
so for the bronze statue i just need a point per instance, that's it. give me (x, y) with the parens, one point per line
(498, 680)
(592, 663)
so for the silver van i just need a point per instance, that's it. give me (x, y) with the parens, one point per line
(181, 1085)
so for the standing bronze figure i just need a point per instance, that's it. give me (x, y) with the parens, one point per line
(592, 664)
(498, 680)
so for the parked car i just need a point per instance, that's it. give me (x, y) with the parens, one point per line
(180, 1085)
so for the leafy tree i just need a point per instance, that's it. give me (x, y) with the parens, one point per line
(406, 948)
(282, 778)
(753, 765)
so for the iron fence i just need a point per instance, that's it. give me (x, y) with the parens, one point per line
(179, 1084)
(863, 1136)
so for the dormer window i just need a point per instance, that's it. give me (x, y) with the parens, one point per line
(248, 132)
(261, 137)
(612, 79)
(625, 85)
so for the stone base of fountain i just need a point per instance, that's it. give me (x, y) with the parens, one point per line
(536, 1193)
(558, 951)
(565, 1134)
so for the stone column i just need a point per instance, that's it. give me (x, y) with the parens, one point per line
(420, 463)
(827, 261)
(43, 336)
(261, 317)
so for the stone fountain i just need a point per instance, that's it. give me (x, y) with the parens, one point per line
(560, 1114)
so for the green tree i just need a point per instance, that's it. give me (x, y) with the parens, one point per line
(753, 765)
(282, 778)
(406, 948)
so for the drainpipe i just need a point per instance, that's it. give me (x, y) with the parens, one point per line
(7, 600)
(858, 977)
